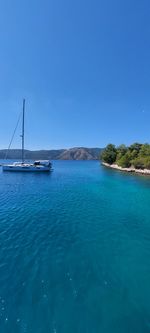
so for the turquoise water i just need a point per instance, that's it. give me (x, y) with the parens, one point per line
(75, 251)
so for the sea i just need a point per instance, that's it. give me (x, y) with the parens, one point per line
(74, 250)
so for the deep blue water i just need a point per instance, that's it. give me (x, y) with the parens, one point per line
(74, 251)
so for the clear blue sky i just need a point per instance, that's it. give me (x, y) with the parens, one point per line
(83, 67)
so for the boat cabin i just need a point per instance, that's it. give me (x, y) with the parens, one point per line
(43, 163)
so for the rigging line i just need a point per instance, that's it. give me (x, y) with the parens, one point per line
(13, 136)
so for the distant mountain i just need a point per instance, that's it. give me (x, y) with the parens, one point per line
(78, 153)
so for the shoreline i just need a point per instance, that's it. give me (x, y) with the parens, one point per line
(131, 169)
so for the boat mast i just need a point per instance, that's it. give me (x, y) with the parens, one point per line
(23, 112)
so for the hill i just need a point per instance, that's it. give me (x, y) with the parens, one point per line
(77, 153)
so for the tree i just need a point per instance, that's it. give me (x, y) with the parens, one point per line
(147, 163)
(134, 150)
(121, 151)
(125, 160)
(109, 154)
(138, 163)
(135, 146)
(145, 150)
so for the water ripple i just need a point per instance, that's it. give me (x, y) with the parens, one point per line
(75, 251)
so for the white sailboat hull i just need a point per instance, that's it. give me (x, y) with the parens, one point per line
(26, 168)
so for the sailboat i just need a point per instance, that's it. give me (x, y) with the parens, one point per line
(36, 166)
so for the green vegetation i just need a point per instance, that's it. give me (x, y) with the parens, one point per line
(137, 155)
(109, 154)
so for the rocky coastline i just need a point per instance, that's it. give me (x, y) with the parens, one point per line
(131, 169)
